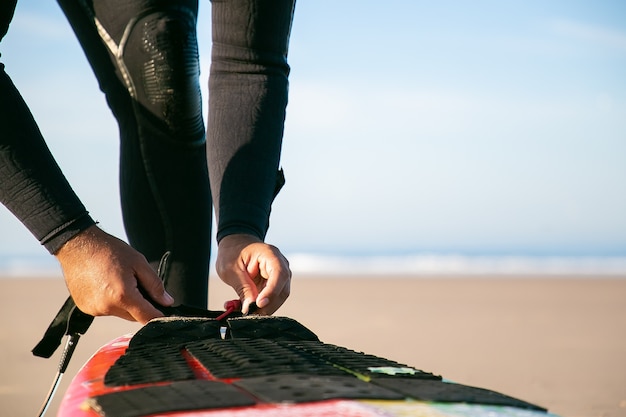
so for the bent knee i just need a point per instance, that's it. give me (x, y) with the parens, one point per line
(162, 59)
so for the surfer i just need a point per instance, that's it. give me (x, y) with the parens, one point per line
(144, 55)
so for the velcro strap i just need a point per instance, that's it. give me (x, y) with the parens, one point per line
(69, 320)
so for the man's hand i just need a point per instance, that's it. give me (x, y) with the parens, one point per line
(257, 271)
(103, 275)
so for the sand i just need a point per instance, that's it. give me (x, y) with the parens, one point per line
(556, 342)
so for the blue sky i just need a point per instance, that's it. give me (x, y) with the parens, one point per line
(483, 127)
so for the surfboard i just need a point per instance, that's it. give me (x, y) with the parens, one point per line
(256, 366)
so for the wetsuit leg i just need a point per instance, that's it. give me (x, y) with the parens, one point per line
(144, 54)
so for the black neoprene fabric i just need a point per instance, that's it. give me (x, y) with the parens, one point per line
(247, 100)
(144, 54)
(145, 57)
(31, 184)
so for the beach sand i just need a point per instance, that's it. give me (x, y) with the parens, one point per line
(556, 342)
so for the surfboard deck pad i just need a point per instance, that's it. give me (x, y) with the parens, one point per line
(262, 366)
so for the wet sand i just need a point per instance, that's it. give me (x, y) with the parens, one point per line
(556, 342)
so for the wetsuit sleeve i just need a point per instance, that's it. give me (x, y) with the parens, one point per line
(248, 86)
(7, 8)
(32, 186)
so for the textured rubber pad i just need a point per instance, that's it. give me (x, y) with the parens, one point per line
(359, 363)
(175, 332)
(268, 327)
(304, 388)
(149, 364)
(245, 358)
(440, 391)
(154, 353)
(177, 396)
(267, 359)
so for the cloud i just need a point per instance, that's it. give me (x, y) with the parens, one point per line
(600, 35)
(332, 109)
(453, 166)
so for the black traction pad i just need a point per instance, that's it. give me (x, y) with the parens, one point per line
(305, 388)
(359, 363)
(268, 327)
(270, 359)
(246, 358)
(175, 332)
(154, 352)
(177, 396)
(149, 364)
(439, 391)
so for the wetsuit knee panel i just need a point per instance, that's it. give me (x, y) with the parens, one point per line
(160, 55)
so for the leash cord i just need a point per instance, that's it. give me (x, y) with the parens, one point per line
(70, 346)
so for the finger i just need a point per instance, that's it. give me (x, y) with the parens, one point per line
(152, 285)
(140, 309)
(247, 295)
(132, 306)
(243, 285)
(276, 302)
(278, 277)
(245, 306)
(123, 314)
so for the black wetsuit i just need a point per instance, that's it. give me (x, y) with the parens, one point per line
(144, 55)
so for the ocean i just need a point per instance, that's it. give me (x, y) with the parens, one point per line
(407, 265)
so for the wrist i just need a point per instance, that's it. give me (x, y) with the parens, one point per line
(80, 242)
(238, 238)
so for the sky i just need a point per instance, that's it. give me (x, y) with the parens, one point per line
(450, 127)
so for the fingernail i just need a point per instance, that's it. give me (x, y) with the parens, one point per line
(168, 298)
(263, 302)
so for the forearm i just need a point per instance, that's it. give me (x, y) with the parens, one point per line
(247, 100)
(31, 184)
